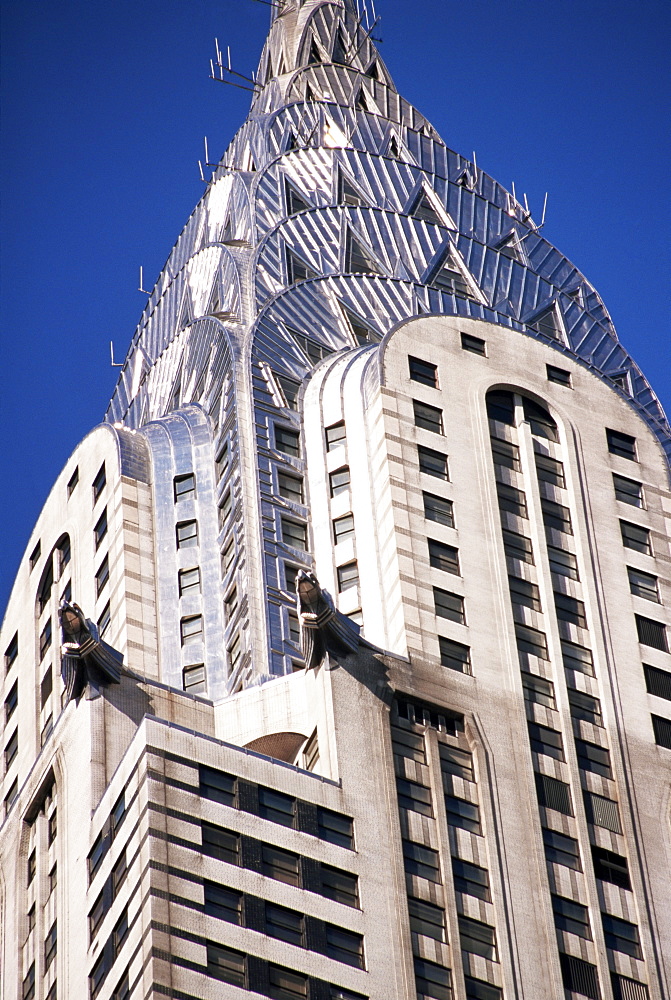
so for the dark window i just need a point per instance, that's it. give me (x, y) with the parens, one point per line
(50, 945)
(343, 528)
(294, 628)
(569, 609)
(553, 794)
(344, 946)
(52, 828)
(46, 687)
(421, 861)
(558, 375)
(621, 444)
(98, 974)
(287, 441)
(444, 557)
(501, 407)
(96, 915)
(478, 989)
(562, 850)
(662, 730)
(35, 555)
(454, 655)
(339, 885)
(290, 389)
(297, 269)
(11, 749)
(120, 933)
(276, 806)
(546, 741)
(290, 574)
(32, 866)
(524, 592)
(188, 580)
(426, 715)
(550, 470)
(336, 437)
(191, 629)
(225, 508)
(577, 657)
(413, 796)
(295, 203)
(11, 795)
(294, 533)
(628, 491)
(602, 811)
(652, 633)
(540, 421)
(463, 814)
(122, 989)
(286, 985)
(477, 938)
(280, 865)
(538, 690)
(621, 935)
(579, 976)
(194, 679)
(643, 584)
(432, 463)
(221, 460)
(185, 487)
(636, 537)
(225, 964)
(11, 701)
(512, 500)
(426, 919)
(610, 867)
(556, 516)
(285, 925)
(571, 917)
(358, 260)
(408, 744)
(517, 546)
(585, 706)
(45, 642)
(628, 989)
(657, 681)
(339, 481)
(290, 487)
(453, 760)
(432, 981)
(187, 534)
(44, 594)
(563, 562)
(531, 640)
(220, 843)
(506, 454)
(119, 872)
(438, 509)
(428, 417)
(450, 279)
(423, 371)
(223, 903)
(12, 651)
(105, 620)
(335, 828)
(102, 576)
(72, 482)
(217, 785)
(470, 879)
(473, 344)
(53, 877)
(99, 482)
(449, 605)
(592, 757)
(348, 576)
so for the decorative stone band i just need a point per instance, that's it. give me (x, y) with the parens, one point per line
(87, 663)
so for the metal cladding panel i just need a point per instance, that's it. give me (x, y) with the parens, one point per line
(223, 307)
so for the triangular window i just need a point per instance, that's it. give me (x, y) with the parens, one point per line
(294, 201)
(362, 332)
(577, 295)
(622, 379)
(548, 323)
(313, 350)
(466, 179)
(510, 246)
(297, 269)
(424, 210)
(339, 49)
(361, 102)
(289, 387)
(215, 306)
(347, 193)
(393, 147)
(315, 55)
(269, 70)
(186, 314)
(309, 96)
(449, 278)
(290, 142)
(374, 73)
(357, 259)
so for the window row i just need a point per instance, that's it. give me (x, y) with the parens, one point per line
(287, 810)
(426, 372)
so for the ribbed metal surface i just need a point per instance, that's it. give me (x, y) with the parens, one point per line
(225, 293)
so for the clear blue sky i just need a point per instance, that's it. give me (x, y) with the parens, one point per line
(105, 106)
